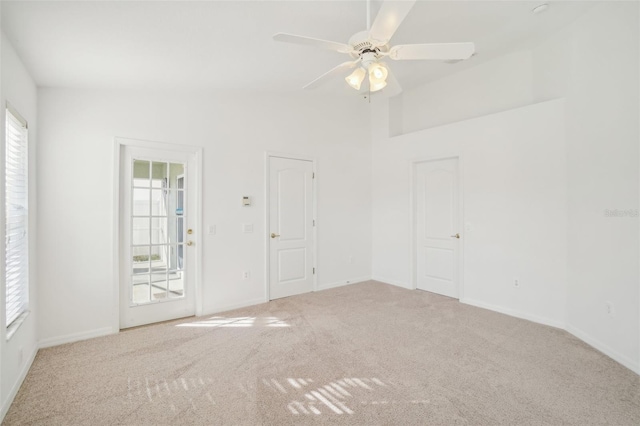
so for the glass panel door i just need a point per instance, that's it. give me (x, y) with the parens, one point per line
(157, 231)
(158, 252)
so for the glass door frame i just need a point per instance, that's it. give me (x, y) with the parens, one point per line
(195, 156)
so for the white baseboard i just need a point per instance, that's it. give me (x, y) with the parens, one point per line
(393, 282)
(75, 337)
(225, 308)
(342, 283)
(616, 356)
(16, 386)
(514, 313)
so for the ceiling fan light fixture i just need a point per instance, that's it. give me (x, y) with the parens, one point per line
(377, 74)
(356, 78)
(374, 87)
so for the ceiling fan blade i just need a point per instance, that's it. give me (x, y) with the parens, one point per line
(316, 42)
(435, 51)
(331, 73)
(389, 18)
(392, 88)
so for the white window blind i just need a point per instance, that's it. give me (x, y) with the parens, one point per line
(16, 217)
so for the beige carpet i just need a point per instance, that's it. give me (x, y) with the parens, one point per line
(368, 353)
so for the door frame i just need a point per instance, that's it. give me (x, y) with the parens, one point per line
(413, 226)
(197, 152)
(267, 212)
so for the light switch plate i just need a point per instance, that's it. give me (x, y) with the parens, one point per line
(247, 228)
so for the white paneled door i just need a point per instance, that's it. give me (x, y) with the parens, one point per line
(291, 221)
(437, 225)
(157, 238)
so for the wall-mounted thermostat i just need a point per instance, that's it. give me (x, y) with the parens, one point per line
(246, 201)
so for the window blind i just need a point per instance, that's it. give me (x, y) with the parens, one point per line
(16, 217)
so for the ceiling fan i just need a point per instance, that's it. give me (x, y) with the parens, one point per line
(369, 48)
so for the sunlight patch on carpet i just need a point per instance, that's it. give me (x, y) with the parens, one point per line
(337, 397)
(173, 394)
(241, 322)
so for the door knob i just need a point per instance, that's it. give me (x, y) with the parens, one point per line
(273, 235)
(189, 243)
(455, 236)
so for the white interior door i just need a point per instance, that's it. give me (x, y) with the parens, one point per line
(437, 221)
(291, 223)
(157, 250)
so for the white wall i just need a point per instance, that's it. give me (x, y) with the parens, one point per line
(17, 353)
(514, 207)
(498, 85)
(594, 64)
(235, 129)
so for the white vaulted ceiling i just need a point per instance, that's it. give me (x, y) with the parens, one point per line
(192, 45)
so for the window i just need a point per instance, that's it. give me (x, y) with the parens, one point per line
(16, 217)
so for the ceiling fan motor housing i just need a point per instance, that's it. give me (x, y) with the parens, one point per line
(368, 58)
(364, 48)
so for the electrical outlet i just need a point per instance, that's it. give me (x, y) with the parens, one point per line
(516, 282)
(212, 230)
(350, 259)
(246, 275)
